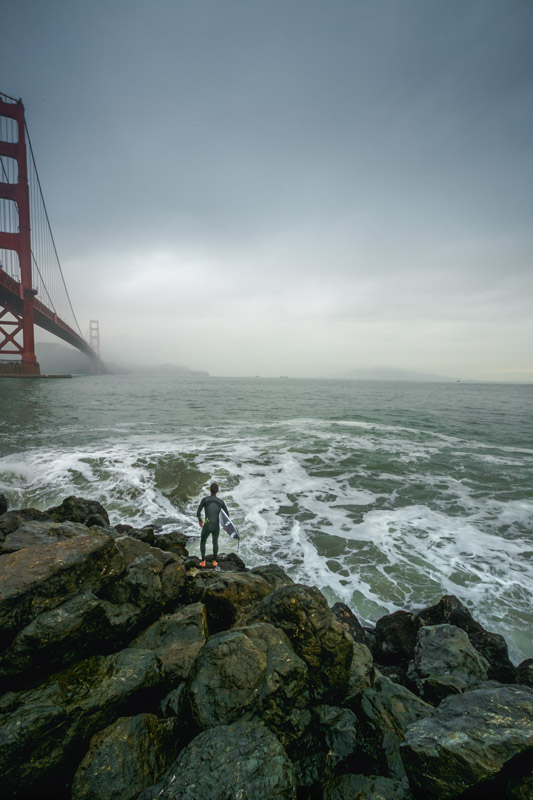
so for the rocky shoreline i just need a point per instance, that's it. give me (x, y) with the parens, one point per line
(129, 673)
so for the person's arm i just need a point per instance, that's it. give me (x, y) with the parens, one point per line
(199, 513)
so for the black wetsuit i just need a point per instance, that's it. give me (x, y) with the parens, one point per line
(211, 507)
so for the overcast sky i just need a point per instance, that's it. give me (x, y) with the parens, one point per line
(288, 186)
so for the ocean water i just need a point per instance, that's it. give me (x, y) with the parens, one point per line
(385, 495)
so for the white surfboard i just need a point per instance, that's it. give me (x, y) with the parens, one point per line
(226, 523)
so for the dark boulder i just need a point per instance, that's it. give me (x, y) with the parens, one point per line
(4, 505)
(231, 562)
(492, 646)
(41, 532)
(302, 612)
(395, 639)
(12, 520)
(468, 741)
(350, 622)
(243, 760)
(250, 671)
(365, 787)
(384, 712)
(230, 596)
(362, 672)
(176, 639)
(81, 626)
(445, 662)
(525, 672)
(45, 731)
(78, 509)
(339, 731)
(39, 578)
(126, 757)
(274, 575)
(173, 541)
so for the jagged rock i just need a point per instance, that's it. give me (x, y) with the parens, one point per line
(302, 612)
(39, 578)
(231, 562)
(362, 672)
(384, 712)
(283, 700)
(41, 532)
(243, 760)
(273, 575)
(171, 704)
(339, 730)
(176, 639)
(247, 671)
(469, 740)
(12, 520)
(492, 646)
(153, 581)
(4, 505)
(445, 662)
(525, 672)
(197, 580)
(78, 509)
(229, 597)
(173, 542)
(45, 731)
(363, 787)
(395, 639)
(126, 757)
(350, 622)
(83, 625)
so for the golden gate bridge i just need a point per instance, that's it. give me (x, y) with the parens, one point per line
(32, 286)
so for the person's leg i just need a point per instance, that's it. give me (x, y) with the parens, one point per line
(215, 544)
(203, 540)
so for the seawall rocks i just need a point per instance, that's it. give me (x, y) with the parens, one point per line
(128, 672)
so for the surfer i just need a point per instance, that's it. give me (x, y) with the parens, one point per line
(211, 506)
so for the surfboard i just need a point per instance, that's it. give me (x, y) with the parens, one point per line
(226, 523)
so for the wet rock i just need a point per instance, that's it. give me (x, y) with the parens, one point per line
(41, 532)
(78, 509)
(302, 612)
(4, 505)
(362, 672)
(339, 731)
(492, 646)
(274, 575)
(230, 562)
(172, 704)
(350, 622)
(83, 625)
(39, 578)
(445, 662)
(525, 672)
(125, 758)
(363, 787)
(384, 712)
(12, 520)
(469, 740)
(395, 639)
(45, 731)
(243, 760)
(176, 639)
(173, 541)
(230, 596)
(248, 671)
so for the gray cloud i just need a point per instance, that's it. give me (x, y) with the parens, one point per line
(352, 180)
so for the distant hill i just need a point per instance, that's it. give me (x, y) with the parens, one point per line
(392, 374)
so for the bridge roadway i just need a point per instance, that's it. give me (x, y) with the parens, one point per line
(10, 291)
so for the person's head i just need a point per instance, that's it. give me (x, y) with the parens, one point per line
(213, 488)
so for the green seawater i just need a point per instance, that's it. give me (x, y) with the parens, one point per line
(385, 495)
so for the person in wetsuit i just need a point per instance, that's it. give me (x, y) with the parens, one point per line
(211, 507)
